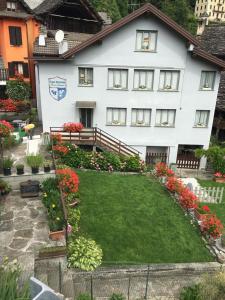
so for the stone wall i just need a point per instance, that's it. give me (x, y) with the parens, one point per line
(15, 180)
(162, 281)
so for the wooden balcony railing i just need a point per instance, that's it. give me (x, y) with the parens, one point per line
(96, 137)
(4, 75)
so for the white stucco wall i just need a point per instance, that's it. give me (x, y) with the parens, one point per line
(118, 50)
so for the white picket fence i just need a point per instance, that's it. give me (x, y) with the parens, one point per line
(209, 194)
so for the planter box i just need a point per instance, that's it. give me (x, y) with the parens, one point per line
(201, 217)
(56, 235)
(219, 179)
(30, 188)
(52, 252)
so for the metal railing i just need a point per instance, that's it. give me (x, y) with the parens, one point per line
(96, 137)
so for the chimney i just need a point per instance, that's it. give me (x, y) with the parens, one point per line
(63, 46)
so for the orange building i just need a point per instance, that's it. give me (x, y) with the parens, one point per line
(18, 30)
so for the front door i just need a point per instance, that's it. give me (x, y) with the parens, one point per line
(86, 117)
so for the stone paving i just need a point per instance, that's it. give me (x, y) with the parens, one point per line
(23, 228)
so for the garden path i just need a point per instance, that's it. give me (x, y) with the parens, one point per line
(23, 229)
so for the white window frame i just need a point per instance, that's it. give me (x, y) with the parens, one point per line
(166, 123)
(146, 86)
(145, 112)
(11, 5)
(112, 72)
(204, 78)
(114, 122)
(86, 82)
(198, 123)
(163, 77)
(145, 42)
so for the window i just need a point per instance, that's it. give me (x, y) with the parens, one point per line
(207, 80)
(169, 80)
(117, 79)
(201, 118)
(11, 5)
(86, 76)
(146, 40)
(18, 68)
(116, 116)
(143, 79)
(141, 117)
(15, 36)
(165, 117)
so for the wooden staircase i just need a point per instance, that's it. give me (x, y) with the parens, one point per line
(95, 137)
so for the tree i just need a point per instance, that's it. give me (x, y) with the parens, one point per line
(108, 6)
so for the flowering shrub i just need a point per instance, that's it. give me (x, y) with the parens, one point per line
(7, 105)
(188, 199)
(163, 170)
(72, 127)
(56, 138)
(174, 185)
(203, 209)
(60, 149)
(84, 254)
(212, 225)
(5, 128)
(68, 180)
(219, 175)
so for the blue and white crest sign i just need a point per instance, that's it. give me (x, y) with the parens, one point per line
(57, 88)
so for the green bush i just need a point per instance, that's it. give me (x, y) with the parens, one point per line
(190, 293)
(74, 218)
(117, 297)
(84, 254)
(83, 297)
(8, 163)
(5, 188)
(10, 142)
(18, 89)
(11, 286)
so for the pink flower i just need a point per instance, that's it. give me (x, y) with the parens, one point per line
(218, 174)
(69, 228)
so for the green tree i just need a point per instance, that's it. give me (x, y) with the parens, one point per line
(108, 6)
(123, 7)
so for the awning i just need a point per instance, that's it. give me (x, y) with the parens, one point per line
(85, 104)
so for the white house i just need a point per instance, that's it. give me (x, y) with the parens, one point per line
(144, 80)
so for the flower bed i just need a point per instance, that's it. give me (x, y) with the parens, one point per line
(9, 105)
(99, 161)
(210, 225)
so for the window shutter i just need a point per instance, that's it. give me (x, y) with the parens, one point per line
(18, 36)
(12, 35)
(11, 69)
(25, 70)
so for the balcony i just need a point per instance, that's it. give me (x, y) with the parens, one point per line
(4, 75)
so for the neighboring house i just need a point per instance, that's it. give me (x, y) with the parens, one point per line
(144, 80)
(18, 30)
(209, 11)
(213, 41)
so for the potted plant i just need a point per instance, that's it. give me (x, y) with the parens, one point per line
(7, 165)
(56, 232)
(212, 227)
(34, 161)
(202, 212)
(20, 169)
(47, 166)
(219, 177)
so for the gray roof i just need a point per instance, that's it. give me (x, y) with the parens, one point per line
(51, 47)
(46, 6)
(213, 39)
(14, 14)
(33, 3)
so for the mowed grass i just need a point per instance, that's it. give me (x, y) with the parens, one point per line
(219, 208)
(134, 220)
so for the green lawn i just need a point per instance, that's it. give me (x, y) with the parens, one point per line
(135, 221)
(218, 209)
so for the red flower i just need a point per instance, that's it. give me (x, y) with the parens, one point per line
(7, 105)
(56, 138)
(212, 225)
(206, 208)
(5, 128)
(188, 199)
(68, 180)
(60, 149)
(174, 185)
(72, 127)
(218, 174)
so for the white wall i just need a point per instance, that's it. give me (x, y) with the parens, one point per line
(118, 50)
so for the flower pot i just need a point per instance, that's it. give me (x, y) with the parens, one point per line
(56, 235)
(47, 169)
(201, 217)
(34, 170)
(19, 171)
(219, 179)
(7, 171)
